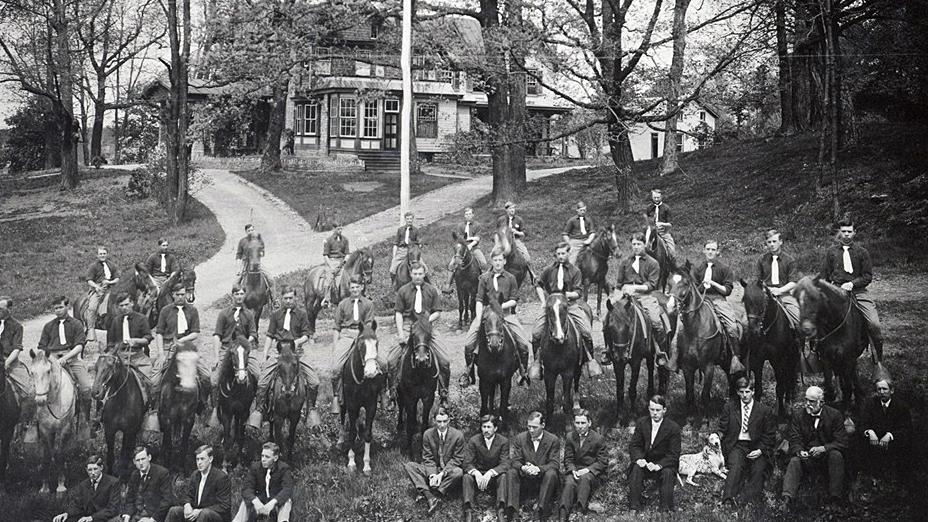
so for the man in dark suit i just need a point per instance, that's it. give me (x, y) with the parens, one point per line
(149, 497)
(268, 488)
(208, 495)
(886, 425)
(585, 461)
(817, 441)
(95, 499)
(654, 451)
(486, 461)
(536, 461)
(749, 432)
(442, 457)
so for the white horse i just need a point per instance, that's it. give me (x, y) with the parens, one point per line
(56, 405)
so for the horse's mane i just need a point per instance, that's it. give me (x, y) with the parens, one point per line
(141, 268)
(353, 256)
(423, 328)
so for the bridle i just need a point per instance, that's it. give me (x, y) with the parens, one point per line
(847, 314)
(761, 318)
(634, 334)
(117, 362)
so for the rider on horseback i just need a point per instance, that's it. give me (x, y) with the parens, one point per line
(658, 216)
(406, 235)
(178, 327)
(579, 232)
(63, 338)
(11, 345)
(497, 284)
(232, 323)
(469, 231)
(776, 270)
(515, 223)
(351, 314)
(101, 276)
(413, 300)
(162, 265)
(130, 334)
(252, 240)
(717, 280)
(334, 252)
(848, 266)
(562, 277)
(637, 278)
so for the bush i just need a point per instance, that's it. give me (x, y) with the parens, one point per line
(24, 150)
(464, 147)
(138, 135)
(149, 179)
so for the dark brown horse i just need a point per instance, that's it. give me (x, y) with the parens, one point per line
(657, 249)
(363, 381)
(358, 263)
(257, 292)
(829, 315)
(560, 355)
(182, 396)
(237, 388)
(403, 276)
(515, 263)
(624, 334)
(123, 410)
(417, 383)
(497, 361)
(139, 286)
(289, 393)
(465, 271)
(593, 262)
(770, 338)
(187, 277)
(9, 418)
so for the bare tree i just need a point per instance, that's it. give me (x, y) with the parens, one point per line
(175, 114)
(671, 163)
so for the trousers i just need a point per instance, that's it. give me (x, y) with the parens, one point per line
(746, 476)
(636, 478)
(831, 462)
(419, 476)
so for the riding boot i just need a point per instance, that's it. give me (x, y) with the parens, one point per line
(660, 356)
(214, 402)
(467, 378)
(336, 409)
(736, 365)
(312, 418)
(86, 405)
(535, 370)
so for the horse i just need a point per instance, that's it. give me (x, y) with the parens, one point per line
(626, 339)
(656, 248)
(560, 355)
(362, 381)
(403, 276)
(418, 381)
(515, 263)
(237, 388)
(290, 391)
(123, 403)
(140, 286)
(593, 262)
(56, 411)
(497, 361)
(701, 341)
(828, 314)
(10, 412)
(181, 398)
(358, 263)
(770, 338)
(185, 276)
(465, 271)
(257, 292)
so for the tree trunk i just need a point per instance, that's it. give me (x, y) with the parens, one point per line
(784, 82)
(175, 114)
(99, 111)
(671, 160)
(69, 169)
(270, 160)
(498, 104)
(620, 148)
(518, 114)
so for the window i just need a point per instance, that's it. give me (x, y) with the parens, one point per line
(702, 115)
(348, 117)
(391, 105)
(427, 120)
(306, 118)
(679, 142)
(371, 119)
(445, 76)
(532, 85)
(323, 67)
(655, 145)
(333, 116)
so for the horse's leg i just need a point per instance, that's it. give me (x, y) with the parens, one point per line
(550, 383)
(485, 396)
(45, 456)
(426, 410)
(828, 381)
(352, 436)
(505, 388)
(110, 435)
(618, 366)
(58, 457)
(185, 444)
(568, 385)
(227, 441)
(635, 372)
(708, 376)
(370, 411)
(291, 441)
(689, 378)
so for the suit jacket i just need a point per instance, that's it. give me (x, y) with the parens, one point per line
(154, 498)
(665, 451)
(547, 457)
(101, 505)
(281, 486)
(762, 427)
(591, 454)
(433, 456)
(477, 456)
(217, 492)
(896, 419)
(830, 433)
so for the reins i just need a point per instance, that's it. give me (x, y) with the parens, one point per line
(110, 393)
(850, 306)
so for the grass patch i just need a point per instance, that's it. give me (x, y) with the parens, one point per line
(49, 250)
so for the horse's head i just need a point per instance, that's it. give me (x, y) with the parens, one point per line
(419, 342)
(288, 368)
(811, 293)
(682, 288)
(189, 278)
(367, 343)
(460, 253)
(106, 368)
(251, 253)
(185, 359)
(44, 378)
(365, 262)
(236, 359)
(610, 240)
(413, 253)
(556, 317)
(493, 325)
(503, 239)
(620, 321)
(755, 304)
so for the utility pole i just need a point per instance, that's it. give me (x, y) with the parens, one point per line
(406, 133)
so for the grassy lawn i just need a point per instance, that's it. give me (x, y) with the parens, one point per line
(50, 237)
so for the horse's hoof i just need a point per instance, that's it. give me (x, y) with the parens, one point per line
(366, 470)
(313, 420)
(352, 467)
(44, 490)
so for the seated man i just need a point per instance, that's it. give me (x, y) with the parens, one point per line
(178, 328)
(486, 461)
(886, 425)
(95, 499)
(517, 225)
(585, 462)
(777, 271)
(287, 323)
(579, 232)
(354, 311)
(130, 334)
(268, 488)
(232, 323)
(654, 451)
(496, 284)
(564, 278)
(63, 338)
(718, 282)
(207, 497)
(657, 217)
(749, 432)
(101, 277)
(406, 235)
(470, 232)
(442, 458)
(162, 265)
(536, 462)
(150, 496)
(817, 441)
(334, 251)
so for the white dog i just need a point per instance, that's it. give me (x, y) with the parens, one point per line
(709, 460)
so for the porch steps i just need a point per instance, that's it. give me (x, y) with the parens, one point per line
(380, 160)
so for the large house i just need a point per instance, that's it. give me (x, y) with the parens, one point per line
(695, 126)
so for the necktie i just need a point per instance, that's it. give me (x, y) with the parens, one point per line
(848, 267)
(355, 313)
(200, 489)
(2, 325)
(62, 338)
(560, 277)
(144, 479)
(95, 484)
(267, 483)
(164, 264)
(125, 329)
(496, 282)
(582, 226)
(441, 449)
(636, 265)
(708, 277)
(510, 221)
(744, 418)
(885, 405)
(106, 271)
(417, 306)
(775, 271)
(406, 238)
(238, 310)
(287, 319)
(467, 230)
(815, 422)
(181, 321)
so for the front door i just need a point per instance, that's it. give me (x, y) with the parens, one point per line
(391, 130)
